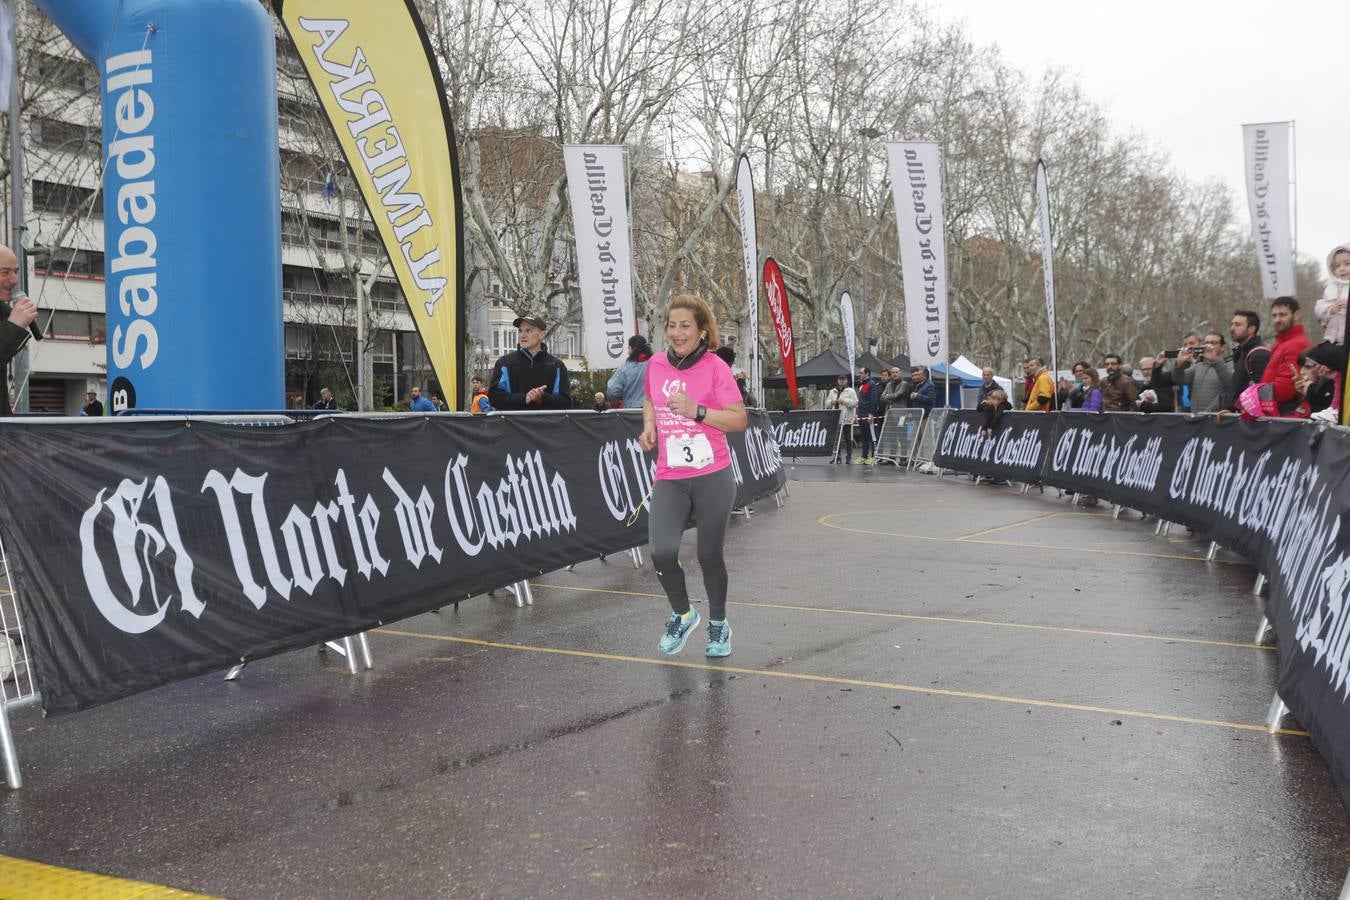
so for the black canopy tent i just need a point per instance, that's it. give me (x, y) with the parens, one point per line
(821, 370)
(873, 364)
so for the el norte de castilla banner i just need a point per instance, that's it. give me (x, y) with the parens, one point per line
(916, 187)
(380, 87)
(598, 193)
(1267, 167)
(1275, 491)
(146, 551)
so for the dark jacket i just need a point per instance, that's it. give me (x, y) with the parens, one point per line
(1161, 384)
(868, 391)
(890, 394)
(12, 339)
(516, 373)
(1119, 393)
(992, 412)
(1249, 367)
(925, 395)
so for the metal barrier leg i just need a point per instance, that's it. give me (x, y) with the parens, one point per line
(233, 673)
(637, 557)
(364, 641)
(515, 592)
(1157, 529)
(1345, 888)
(1261, 631)
(1277, 711)
(1260, 583)
(11, 753)
(529, 593)
(1115, 513)
(1213, 551)
(1167, 528)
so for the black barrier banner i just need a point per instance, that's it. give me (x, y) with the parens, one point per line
(806, 432)
(1275, 491)
(143, 552)
(1016, 449)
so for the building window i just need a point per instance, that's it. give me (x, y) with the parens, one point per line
(384, 294)
(78, 326)
(64, 261)
(299, 342)
(295, 113)
(67, 136)
(288, 60)
(60, 71)
(67, 199)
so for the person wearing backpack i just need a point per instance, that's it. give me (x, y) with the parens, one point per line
(1250, 354)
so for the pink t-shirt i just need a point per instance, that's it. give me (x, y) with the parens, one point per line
(708, 382)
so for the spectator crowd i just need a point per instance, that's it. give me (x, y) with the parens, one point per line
(1213, 372)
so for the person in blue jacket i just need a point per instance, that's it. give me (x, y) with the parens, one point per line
(420, 403)
(924, 395)
(626, 384)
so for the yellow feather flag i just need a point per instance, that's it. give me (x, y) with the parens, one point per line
(372, 67)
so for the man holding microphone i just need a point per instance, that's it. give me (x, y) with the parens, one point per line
(18, 314)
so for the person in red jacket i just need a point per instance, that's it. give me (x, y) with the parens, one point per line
(1290, 341)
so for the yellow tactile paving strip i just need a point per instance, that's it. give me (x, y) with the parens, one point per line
(22, 879)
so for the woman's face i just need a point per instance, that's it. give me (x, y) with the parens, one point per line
(682, 331)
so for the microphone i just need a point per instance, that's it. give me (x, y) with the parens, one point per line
(33, 327)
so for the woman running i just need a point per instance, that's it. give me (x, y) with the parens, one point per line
(692, 401)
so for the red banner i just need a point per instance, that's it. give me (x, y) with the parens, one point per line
(776, 292)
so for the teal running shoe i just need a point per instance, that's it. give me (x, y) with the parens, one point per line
(677, 632)
(719, 638)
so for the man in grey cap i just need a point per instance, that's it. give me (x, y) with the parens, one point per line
(530, 377)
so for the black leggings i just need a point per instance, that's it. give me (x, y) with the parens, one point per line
(708, 500)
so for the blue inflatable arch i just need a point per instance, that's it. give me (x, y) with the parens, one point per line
(191, 199)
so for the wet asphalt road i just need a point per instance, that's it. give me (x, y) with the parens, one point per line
(938, 690)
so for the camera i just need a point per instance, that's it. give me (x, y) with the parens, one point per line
(1197, 352)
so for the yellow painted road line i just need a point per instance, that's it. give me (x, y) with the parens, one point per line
(38, 881)
(1130, 635)
(852, 682)
(824, 522)
(974, 534)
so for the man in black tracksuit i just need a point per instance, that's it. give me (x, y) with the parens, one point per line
(530, 377)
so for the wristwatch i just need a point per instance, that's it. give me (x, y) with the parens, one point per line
(701, 413)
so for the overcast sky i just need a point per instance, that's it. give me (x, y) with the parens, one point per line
(1188, 73)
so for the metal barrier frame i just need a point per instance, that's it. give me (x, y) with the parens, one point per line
(899, 420)
(23, 693)
(926, 444)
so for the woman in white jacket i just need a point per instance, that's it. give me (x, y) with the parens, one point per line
(1331, 308)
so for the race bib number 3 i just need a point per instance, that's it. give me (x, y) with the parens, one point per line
(688, 451)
